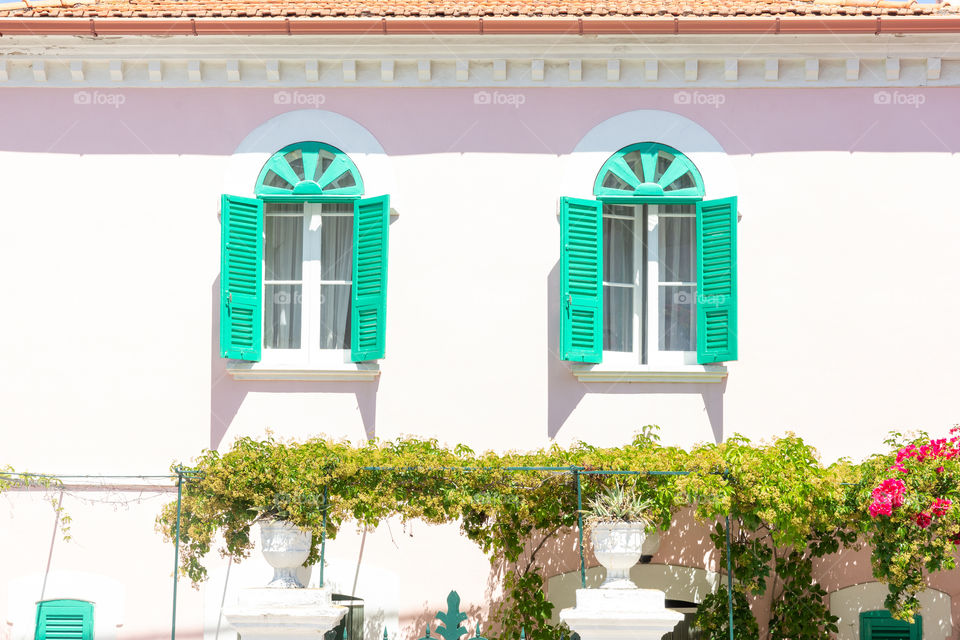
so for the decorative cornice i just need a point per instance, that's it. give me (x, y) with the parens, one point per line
(487, 61)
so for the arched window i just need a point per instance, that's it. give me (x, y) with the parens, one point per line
(307, 170)
(303, 269)
(648, 169)
(648, 268)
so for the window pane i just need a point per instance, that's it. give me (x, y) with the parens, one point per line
(326, 159)
(677, 251)
(283, 251)
(295, 160)
(664, 160)
(618, 319)
(281, 316)
(634, 160)
(336, 248)
(618, 250)
(678, 317)
(683, 182)
(611, 181)
(335, 316)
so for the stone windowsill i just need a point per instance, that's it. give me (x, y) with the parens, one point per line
(690, 374)
(339, 372)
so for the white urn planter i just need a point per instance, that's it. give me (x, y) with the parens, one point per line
(618, 546)
(286, 547)
(618, 610)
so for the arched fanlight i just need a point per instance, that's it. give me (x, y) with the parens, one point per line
(649, 169)
(309, 169)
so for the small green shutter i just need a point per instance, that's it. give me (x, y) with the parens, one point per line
(717, 280)
(581, 280)
(64, 620)
(241, 277)
(368, 315)
(880, 625)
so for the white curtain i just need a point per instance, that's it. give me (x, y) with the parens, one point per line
(283, 258)
(336, 273)
(677, 303)
(618, 267)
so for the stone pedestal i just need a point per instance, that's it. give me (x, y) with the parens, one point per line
(284, 614)
(620, 614)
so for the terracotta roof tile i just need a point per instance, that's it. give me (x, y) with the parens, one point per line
(455, 8)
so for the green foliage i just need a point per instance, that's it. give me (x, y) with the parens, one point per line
(911, 537)
(525, 607)
(785, 508)
(10, 479)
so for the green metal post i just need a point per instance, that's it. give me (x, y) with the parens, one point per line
(323, 537)
(583, 570)
(729, 580)
(176, 556)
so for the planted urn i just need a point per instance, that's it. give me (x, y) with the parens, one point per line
(286, 547)
(618, 520)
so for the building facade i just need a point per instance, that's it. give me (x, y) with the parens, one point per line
(497, 227)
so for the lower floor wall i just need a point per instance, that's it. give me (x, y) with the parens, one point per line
(399, 573)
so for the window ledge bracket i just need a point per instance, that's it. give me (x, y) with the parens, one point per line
(694, 374)
(360, 372)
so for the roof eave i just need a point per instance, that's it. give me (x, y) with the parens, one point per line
(487, 26)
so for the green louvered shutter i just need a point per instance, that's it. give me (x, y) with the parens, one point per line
(368, 315)
(717, 280)
(581, 280)
(241, 277)
(880, 625)
(64, 620)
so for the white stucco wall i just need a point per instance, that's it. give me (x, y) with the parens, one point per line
(111, 251)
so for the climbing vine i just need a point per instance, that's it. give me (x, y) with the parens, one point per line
(10, 479)
(786, 509)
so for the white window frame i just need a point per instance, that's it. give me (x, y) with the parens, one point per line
(646, 285)
(309, 355)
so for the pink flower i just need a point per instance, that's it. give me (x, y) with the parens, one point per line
(892, 487)
(923, 519)
(940, 506)
(955, 539)
(880, 509)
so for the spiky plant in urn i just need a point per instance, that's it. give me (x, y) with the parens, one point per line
(618, 520)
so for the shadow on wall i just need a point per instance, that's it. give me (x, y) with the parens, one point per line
(564, 391)
(227, 394)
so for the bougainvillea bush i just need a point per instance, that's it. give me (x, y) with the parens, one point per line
(914, 522)
(785, 510)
